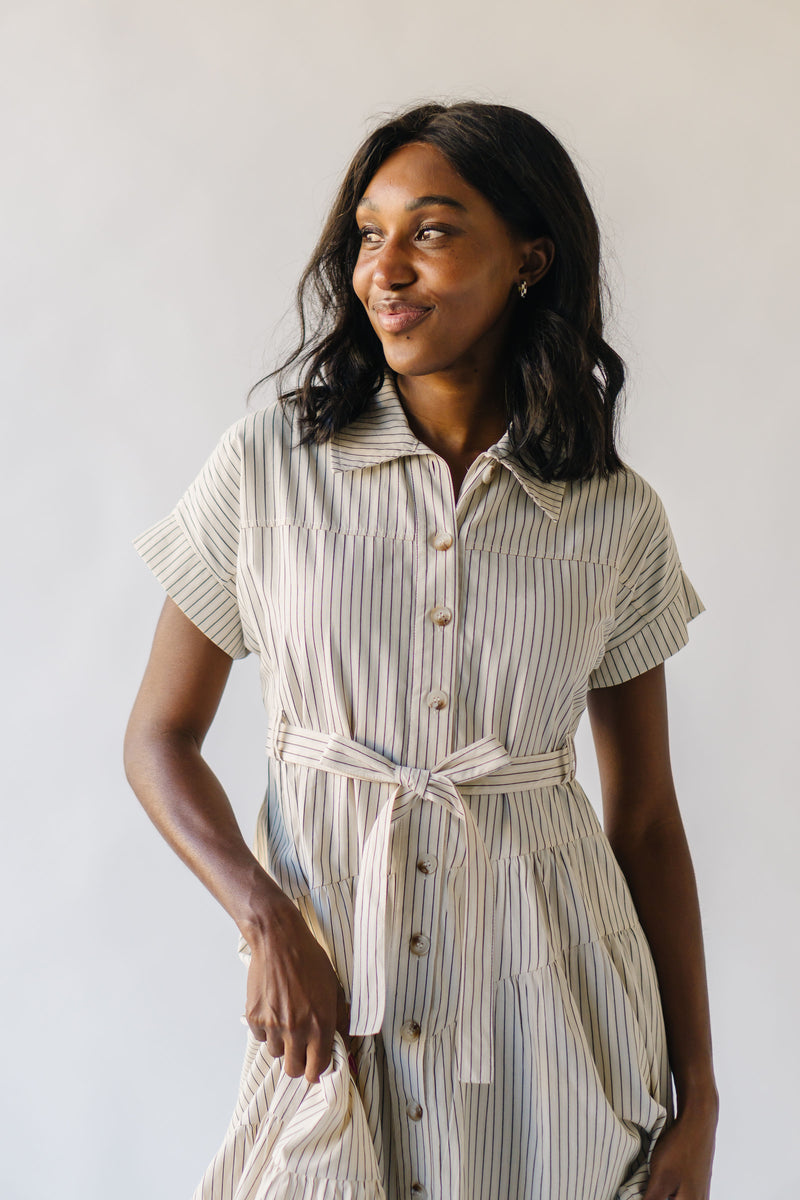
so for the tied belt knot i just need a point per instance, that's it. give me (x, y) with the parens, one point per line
(483, 767)
(416, 779)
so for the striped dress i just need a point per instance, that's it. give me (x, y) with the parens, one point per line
(425, 661)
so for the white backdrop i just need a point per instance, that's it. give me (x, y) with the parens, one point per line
(166, 166)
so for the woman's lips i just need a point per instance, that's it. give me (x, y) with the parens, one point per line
(399, 317)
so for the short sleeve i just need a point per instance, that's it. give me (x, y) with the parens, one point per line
(655, 601)
(193, 551)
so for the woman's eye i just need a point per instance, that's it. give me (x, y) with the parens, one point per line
(370, 236)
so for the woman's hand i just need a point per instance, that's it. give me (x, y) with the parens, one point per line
(295, 1002)
(681, 1162)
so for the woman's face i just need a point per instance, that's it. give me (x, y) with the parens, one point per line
(437, 269)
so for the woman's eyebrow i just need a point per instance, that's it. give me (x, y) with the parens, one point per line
(419, 202)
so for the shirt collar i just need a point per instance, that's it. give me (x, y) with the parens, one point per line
(548, 494)
(382, 433)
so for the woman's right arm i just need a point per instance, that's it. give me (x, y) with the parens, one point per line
(294, 1000)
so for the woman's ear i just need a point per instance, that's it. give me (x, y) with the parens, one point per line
(538, 258)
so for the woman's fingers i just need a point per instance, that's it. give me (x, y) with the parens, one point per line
(317, 1060)
(272, 1040)
(308, 1056)
(302, 1055)
(275, 1044)
(294, 1058)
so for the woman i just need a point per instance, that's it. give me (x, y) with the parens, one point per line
(436, 552)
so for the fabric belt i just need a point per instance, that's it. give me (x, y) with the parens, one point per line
(481, 768)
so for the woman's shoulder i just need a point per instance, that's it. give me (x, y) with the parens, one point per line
(256, 431)
(258, 444)
(610, 515)
(623, 494)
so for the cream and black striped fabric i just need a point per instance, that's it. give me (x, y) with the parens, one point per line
(425, 661)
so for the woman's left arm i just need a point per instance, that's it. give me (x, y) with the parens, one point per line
(644, 827)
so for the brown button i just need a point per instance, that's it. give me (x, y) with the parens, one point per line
(427, 864)
(442, 541)
(418, 1191)
(414, 1110)
(436, 700)
(442, 615)
(410, 1031)
(420, 944)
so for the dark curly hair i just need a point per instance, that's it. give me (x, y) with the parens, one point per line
(562, 379)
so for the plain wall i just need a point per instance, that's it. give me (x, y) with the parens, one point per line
(166, 167)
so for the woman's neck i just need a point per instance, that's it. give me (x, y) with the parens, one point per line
(457, 418)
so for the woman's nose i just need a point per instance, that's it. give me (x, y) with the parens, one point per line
(393, 268)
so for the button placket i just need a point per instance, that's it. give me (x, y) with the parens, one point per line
(441, 579)
(435, 601)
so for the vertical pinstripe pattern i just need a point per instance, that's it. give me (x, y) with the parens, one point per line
(402, 630)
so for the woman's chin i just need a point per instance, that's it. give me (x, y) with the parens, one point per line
(404, 361)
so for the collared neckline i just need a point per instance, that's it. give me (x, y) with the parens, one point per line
(382, 433)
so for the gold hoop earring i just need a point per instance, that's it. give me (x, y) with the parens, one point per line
(522, 289)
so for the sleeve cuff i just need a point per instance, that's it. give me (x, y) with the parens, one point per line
(653, 643)
(205, 600)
